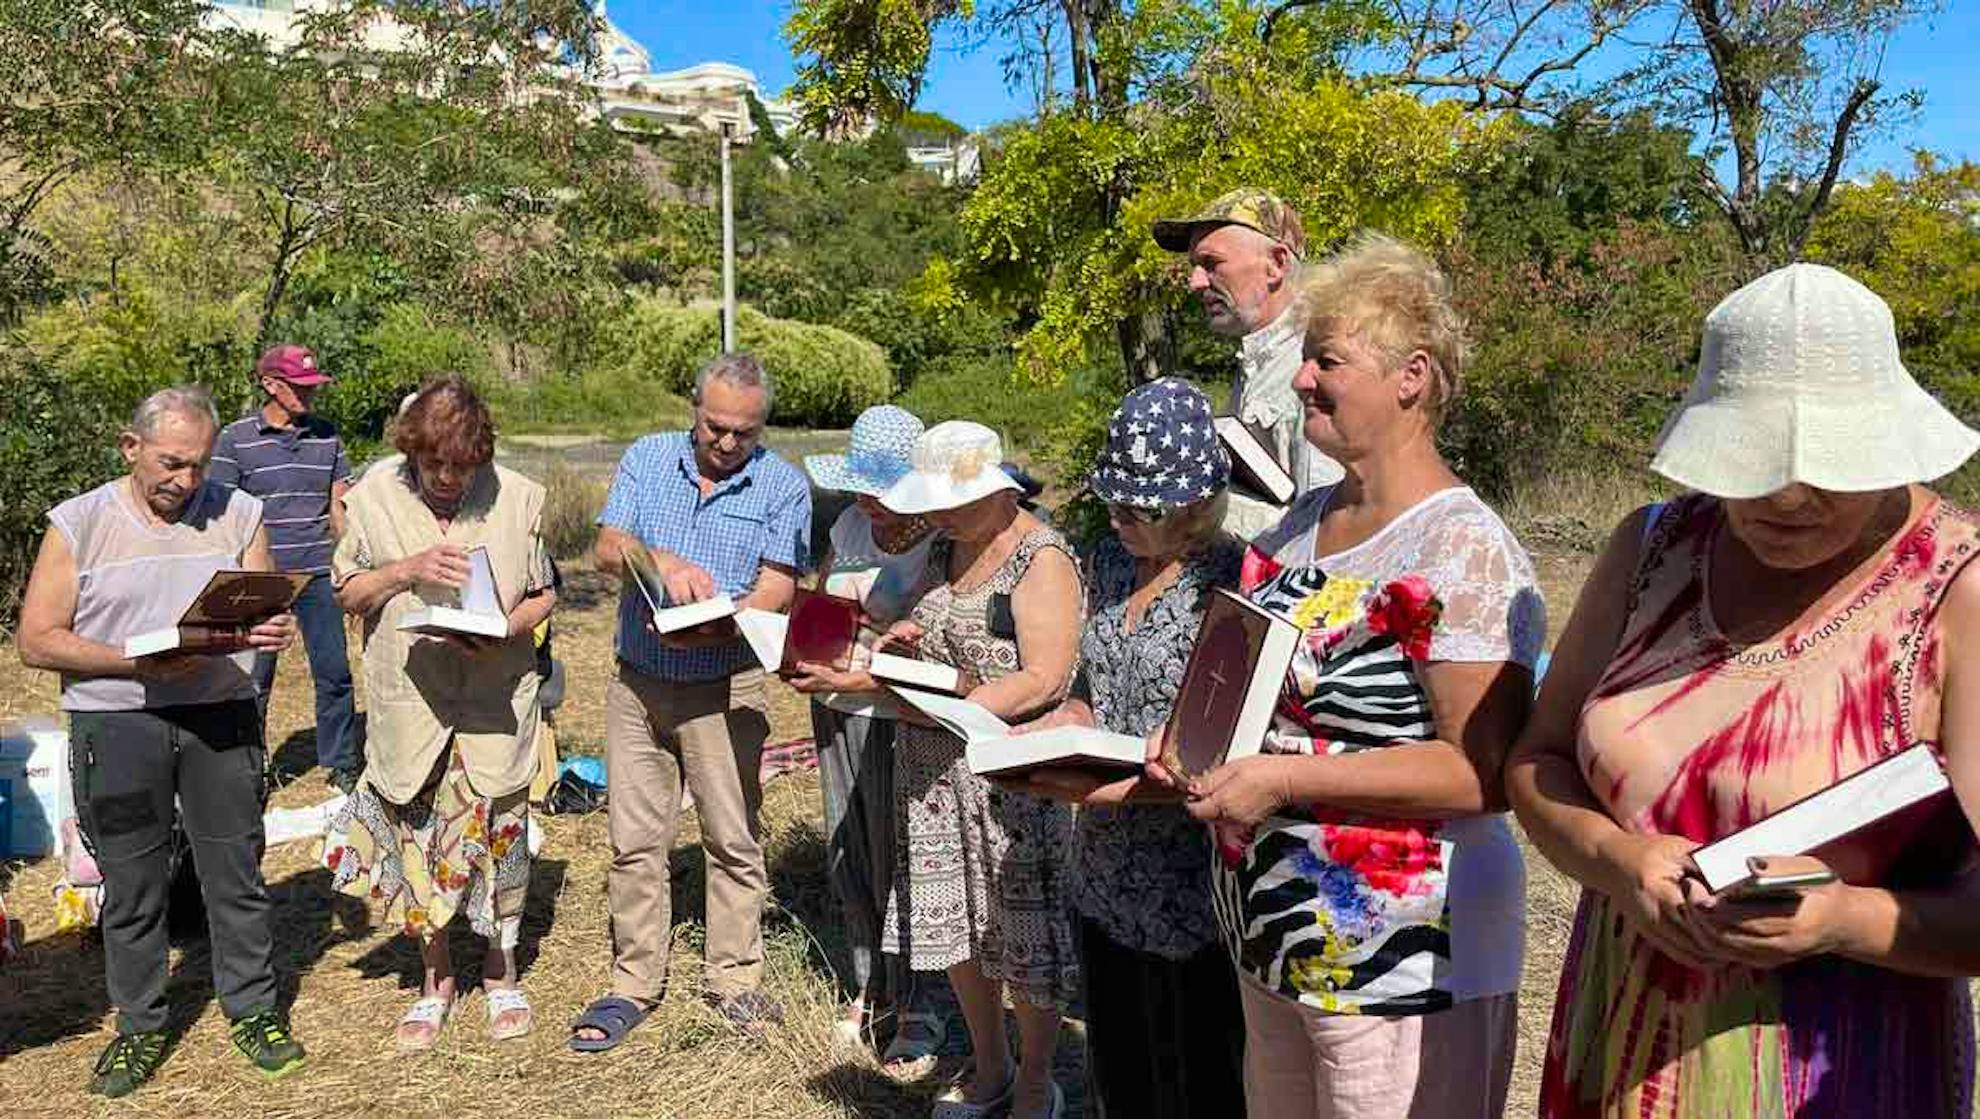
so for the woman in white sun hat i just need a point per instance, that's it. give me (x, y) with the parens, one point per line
(876, 557)
(982, 894)
(1806, 612)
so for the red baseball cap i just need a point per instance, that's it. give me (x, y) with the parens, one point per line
(294, 364)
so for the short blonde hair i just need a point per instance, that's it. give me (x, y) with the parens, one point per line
(1397, 299)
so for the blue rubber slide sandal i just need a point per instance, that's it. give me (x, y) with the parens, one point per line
(612, 1016)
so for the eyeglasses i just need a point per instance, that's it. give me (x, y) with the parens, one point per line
(1134, 514)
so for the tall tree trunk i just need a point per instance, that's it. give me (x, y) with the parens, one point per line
(1080, 48)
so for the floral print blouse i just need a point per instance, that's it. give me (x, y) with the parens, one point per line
(1142, 872)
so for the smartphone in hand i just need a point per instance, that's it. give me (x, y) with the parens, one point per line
(1782, 876)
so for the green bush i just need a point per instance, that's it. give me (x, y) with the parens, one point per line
(55, 442)
(824, 376)
(406, 347)
(985, 389)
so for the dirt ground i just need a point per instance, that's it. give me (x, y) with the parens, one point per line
(350, 980)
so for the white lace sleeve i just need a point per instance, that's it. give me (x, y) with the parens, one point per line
(1492, 605)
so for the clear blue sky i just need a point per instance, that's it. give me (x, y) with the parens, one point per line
(1937, 54)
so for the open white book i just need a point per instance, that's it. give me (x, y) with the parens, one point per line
(993, 751)
(1860, 825)
(932, 675)
(478, 615)
(672, 619)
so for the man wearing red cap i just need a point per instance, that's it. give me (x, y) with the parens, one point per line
(294, 462)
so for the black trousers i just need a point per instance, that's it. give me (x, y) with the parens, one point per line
(128, 767)
(1164, 1038)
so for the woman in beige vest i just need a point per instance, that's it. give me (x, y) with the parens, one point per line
(437, 825)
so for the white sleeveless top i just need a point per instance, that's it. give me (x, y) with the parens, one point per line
(133, 577)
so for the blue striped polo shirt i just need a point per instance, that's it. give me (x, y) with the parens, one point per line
(291, 469)
(760, 514)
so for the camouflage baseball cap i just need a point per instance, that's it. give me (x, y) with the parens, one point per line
(1246, 206)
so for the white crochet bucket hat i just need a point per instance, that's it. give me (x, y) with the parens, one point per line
(955, 463)
(1799, 381)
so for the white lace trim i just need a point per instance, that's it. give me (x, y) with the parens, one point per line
(1492, 605)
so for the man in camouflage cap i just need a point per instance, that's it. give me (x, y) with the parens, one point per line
(1244, 253)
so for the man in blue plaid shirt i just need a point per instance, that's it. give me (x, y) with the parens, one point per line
(717, 514)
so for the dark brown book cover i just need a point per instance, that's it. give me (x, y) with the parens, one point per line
(235, 599)
(1210, 701)
(824, 628)
(1256, 468)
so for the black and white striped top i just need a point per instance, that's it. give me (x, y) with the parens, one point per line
(1356, 914)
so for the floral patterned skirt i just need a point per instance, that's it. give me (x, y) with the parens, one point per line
(445, 852)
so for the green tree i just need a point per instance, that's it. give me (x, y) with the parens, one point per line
(86, 89)
(387, 120)
(1780, 95)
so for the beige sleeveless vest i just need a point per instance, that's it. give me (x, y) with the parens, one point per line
(421, 692)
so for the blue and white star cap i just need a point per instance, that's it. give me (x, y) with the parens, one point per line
(1162, 449)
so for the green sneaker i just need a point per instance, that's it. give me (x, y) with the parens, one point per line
(264, 1039)
(128, 1062)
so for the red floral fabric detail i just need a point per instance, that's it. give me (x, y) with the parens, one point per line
(1256, 568)
(1407, 610)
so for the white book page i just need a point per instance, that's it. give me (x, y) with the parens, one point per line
(479, 597)
(764, 630)
(973, 722)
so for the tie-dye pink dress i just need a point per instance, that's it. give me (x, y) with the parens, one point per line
(1689, 734)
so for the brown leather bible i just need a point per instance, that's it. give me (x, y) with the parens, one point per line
(1234, 675)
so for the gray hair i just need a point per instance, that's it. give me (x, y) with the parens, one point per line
(189, 402)
(739, 369)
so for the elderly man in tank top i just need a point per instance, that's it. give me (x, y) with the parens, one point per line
(121, 560)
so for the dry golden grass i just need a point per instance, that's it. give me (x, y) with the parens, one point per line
(350, 980)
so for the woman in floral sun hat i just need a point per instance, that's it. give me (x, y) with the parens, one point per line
(1367, 882)
(982, 893)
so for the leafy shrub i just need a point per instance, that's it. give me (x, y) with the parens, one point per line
(405, 348)
(824, 376)
(915, 335)
(55, 442)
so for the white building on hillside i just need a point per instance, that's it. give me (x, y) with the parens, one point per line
(631, 95)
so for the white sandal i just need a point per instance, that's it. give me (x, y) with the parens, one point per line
(429, 1011)
(504, 1000)
(917, 1041)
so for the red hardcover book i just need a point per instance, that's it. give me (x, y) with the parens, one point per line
(823, 629)
(1895, 822)
(1224, 705)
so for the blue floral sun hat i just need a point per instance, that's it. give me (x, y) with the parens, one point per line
(876, 456)
(1162, 449)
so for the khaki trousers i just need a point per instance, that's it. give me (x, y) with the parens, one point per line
(1301, 1063)
(710, 734)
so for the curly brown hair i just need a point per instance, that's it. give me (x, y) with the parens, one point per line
(446, 420)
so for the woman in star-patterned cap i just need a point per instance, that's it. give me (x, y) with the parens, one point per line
(1164, 1031)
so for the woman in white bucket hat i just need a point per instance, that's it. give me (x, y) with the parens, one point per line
(1804, 614)
(983, 892)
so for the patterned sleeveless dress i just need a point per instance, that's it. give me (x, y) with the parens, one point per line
(1689, 734)
(984, 871)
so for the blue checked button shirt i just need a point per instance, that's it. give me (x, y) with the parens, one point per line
(761, 514)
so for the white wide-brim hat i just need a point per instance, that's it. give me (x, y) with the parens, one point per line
(955, 463)
(1799, 381)
(877, 453)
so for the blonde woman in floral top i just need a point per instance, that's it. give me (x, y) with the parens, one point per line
(1367, 882)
